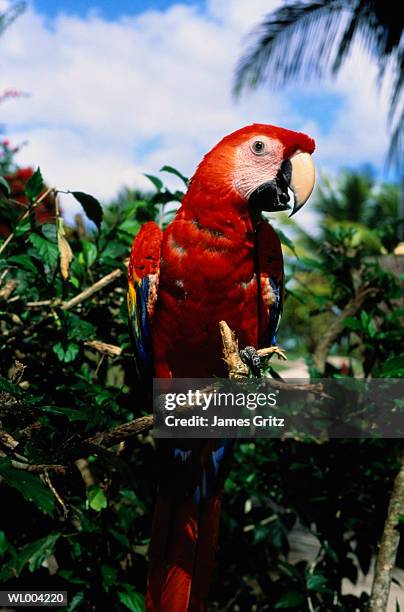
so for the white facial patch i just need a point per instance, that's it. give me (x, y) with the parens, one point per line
(252, 170)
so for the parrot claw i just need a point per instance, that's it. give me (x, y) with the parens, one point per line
(273, 350)
(250, 357)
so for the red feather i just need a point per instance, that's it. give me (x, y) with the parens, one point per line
(217, 263)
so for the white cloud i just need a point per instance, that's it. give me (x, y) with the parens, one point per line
(113, 99)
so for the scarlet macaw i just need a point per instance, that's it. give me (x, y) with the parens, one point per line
(217, 260)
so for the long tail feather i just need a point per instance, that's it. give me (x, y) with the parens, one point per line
(181, 555)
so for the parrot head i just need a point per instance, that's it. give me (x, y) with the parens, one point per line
(269, 167)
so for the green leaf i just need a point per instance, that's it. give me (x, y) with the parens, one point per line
(70, 413)
(96, 498)
(34, 186)
(77, 328)
(4, 187)
(291, 599)
(24, 262)
(398, 609)
(109, 576)
(290, 570)
(393, 368)
(45, 250)
(163, 197)
(285, 240)
(49, 231)
(130, 226)
(352, 323)
(22, 228)
(66, 353)
(316, 582)
(330, 552)
(89, 252)
(3, 543)
(371, 328)
(70, 577)
(91, 206)
(172, 170)
(122, 539)
(132, 600)
(34, 554)
(77, 600)
(364, 319)
(366, 237)
(10, 388)
(156, 181)
(308, 262)
(29, 485)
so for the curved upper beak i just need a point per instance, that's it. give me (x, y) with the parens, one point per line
(294, 181)
(302, 179)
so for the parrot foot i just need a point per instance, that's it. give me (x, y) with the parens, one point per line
(273, 350)
(250, 357)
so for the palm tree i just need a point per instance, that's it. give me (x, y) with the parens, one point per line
(11, 14)
(355, 196)
(302, 39)
(356, 200)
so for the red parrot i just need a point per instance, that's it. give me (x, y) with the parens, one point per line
(219, 259)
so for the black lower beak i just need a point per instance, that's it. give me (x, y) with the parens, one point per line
(275, 195)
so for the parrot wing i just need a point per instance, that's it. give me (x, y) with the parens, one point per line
(272, 284)
(143, 281)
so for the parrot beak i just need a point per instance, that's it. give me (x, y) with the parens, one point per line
(293, 184)
(302, 180)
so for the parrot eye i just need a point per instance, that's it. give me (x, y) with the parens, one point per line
(258, 147)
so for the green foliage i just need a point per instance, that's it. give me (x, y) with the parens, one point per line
(34, 186)
(95, 521)
(66, 393)
(91, 207)
(4, 187)
(353, 252)
(30, 556)
(30, 486)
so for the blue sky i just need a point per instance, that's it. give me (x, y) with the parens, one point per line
(108, 9)
(118, 89)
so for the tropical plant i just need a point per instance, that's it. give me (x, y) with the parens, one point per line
(76, 514)
(10, 14)
(314, 38)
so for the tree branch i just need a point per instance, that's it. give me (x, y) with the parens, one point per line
(105, 439)
(105, 349)
(103, 282)
(389, 542)
(337, 327)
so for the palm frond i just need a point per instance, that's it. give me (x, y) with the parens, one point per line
(301, 40)
(395, 152)
(11, 15)
(294, 41)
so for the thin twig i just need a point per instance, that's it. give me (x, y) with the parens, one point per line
(103, 282)
(25, 216)
(102, 347)
(41, 303)
(39, 468)
(50, 484)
